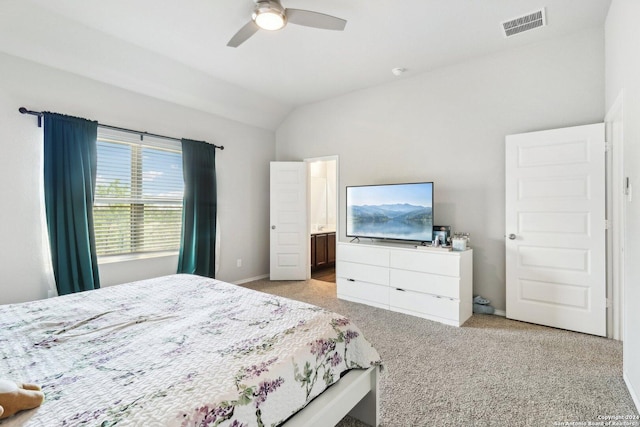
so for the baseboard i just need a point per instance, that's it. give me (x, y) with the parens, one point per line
(632, 392)
(251, 279)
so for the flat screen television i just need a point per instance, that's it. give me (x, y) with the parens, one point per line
(391, 211)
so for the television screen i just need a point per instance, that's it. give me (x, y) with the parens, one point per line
(392, 211)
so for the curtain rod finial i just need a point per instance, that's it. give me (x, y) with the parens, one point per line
(23, 110)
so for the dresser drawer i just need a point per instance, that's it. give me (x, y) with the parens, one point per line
(363, 272)
(353, 290)
(446, 264)
(364, 255)
(424, 305)
(446, 286)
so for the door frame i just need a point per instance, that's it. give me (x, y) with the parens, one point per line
(616, 216)
(323, 159)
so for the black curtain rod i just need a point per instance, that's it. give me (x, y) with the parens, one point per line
(39, 114)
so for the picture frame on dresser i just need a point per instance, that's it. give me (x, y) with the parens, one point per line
(443, 232)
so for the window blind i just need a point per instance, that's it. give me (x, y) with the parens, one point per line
(139, 190)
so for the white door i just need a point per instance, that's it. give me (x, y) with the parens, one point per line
(289, 239)
(555, 228)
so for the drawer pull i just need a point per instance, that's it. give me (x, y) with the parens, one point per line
(350, 280)
(401, 290)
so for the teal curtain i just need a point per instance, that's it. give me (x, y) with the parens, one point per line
(198, 239)
(70, 159)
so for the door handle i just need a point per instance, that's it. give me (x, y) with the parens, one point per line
(273, 227)
(512, 236)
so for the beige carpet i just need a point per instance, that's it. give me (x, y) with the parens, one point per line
(490, 372)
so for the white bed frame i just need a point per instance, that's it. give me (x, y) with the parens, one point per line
(356, 394)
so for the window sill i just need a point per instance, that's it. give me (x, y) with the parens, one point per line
(111, 259)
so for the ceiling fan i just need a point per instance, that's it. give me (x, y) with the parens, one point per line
(270, 15)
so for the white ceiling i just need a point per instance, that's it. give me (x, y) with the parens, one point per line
(176, 50)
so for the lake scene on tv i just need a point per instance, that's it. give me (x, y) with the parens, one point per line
(396, 211)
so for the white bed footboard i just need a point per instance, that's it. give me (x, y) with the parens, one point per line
(356, 394)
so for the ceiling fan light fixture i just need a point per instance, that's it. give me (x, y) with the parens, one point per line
(269, 21)
(269, 15)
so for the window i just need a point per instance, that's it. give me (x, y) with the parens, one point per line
(139, 188)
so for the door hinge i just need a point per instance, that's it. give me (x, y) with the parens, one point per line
(608, 303)
(607, 224)
(607, 147)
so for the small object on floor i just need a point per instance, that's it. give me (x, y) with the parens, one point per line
(481, 305)
(479, 300)
(483, 309)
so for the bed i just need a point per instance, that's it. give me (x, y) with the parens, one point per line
(183, 351)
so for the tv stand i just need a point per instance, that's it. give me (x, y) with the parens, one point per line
(435, 285)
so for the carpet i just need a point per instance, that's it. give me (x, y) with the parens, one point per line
(490, 372)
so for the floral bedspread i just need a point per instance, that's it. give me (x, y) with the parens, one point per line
(179, 350)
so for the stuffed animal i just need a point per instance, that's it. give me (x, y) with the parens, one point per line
(15, 397)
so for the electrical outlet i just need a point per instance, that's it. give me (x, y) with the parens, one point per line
(239, 262)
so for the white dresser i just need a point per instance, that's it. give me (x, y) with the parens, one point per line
(436, 285)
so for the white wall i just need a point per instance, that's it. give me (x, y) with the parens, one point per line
(449, 126)
(322, 194)
(622, 47)
(242, 171)
(317, 194)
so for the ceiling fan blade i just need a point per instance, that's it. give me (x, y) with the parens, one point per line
(315, 19)
(249, 29)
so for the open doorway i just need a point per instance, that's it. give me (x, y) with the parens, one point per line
(323, 214)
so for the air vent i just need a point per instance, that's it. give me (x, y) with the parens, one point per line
(524, 23)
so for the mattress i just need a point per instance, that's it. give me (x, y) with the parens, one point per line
(178, 350)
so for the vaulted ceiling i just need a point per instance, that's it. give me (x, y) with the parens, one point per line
(176, 50)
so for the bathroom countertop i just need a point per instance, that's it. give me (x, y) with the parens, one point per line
(327, 231)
